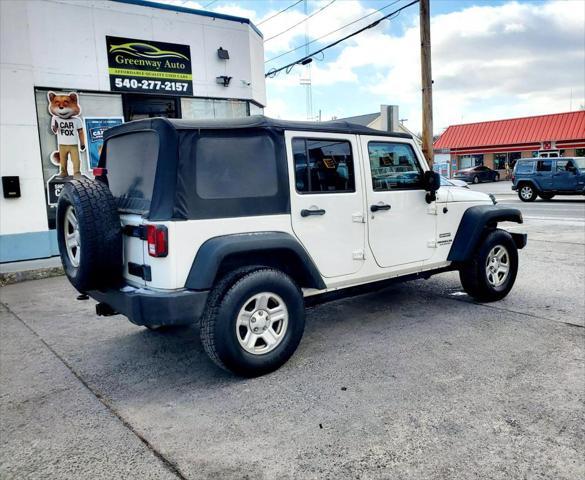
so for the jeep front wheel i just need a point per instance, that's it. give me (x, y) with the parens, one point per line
(527, 193)
(253, 322)
(491, 272)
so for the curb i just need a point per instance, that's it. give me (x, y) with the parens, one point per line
(26, 275)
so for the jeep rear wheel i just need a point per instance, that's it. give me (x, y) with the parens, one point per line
(254, 321)
(89, 235)
(491, 272)
(527, 193)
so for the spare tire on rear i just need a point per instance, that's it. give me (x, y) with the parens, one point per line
(89, 234)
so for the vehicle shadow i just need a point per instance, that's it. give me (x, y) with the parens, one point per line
(562, 200)
(135, 363)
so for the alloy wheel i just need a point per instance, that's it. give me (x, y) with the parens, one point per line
(497, 266)
(526, 192)
(262, 323)
(72, 237)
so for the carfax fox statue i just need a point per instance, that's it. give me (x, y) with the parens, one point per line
(66, 124)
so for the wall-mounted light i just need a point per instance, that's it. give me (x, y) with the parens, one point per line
(223, 80)
(223, 54)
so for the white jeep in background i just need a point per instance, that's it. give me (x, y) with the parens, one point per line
(235, 223)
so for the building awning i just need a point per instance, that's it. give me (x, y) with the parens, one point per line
(561, 130)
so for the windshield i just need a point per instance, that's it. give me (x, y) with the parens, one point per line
(579, 163)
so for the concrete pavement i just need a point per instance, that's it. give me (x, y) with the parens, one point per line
(414, 381)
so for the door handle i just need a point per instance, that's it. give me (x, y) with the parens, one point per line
(308, 212)
(380, 206)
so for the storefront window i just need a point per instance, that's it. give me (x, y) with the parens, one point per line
(513, 157)
(97, 112)
(230, 108)
(255, 109)
(500, 160)
(468, 161)
(580, 152)
(206, 108)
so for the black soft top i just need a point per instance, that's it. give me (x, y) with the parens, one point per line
(252, 122)
(172, 194)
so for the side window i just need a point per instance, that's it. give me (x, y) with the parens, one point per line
(524, 167)
(544, 166)
(565, 166)
(323, 166)
(394, 166)
(230, 167)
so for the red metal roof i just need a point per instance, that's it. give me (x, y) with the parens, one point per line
(515, 131)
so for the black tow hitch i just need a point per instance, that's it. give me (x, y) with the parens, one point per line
(104, 310)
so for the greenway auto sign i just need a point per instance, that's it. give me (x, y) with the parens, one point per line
(149, 67)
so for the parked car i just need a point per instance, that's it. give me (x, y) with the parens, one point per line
(547, 177)
(477, 174)
(233, 224)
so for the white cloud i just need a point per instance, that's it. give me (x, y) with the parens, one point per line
(488, 62)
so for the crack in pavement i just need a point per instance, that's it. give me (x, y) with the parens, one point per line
(168, 464)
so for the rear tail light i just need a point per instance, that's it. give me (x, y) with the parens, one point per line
(157, 239)
(100, 172)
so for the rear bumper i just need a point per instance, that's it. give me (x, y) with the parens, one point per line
(148, 307)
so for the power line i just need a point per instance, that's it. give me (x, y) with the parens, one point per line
(278, 13)
(307, 58)
(210, 3)
(302, 21)
(332, 32)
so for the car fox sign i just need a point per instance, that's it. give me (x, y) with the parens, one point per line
(149, 67)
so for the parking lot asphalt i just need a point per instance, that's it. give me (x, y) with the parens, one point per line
(413, 381)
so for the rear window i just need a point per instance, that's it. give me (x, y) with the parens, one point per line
(131, 161)
(236, 168)
(524, 167)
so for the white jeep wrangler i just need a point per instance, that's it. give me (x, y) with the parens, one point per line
(235, 223)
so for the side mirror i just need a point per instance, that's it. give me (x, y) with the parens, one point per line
(431, 183)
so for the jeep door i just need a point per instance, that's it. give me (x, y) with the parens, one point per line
(401, 227)
(544, 174)
(327, 199)
(566, 176)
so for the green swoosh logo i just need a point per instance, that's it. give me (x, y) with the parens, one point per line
(145, 50)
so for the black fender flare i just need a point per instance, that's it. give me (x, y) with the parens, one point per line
(529, 181)
(213, 251)
(475, 221)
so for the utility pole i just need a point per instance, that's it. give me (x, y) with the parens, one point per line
(427, 81)
(307, 79)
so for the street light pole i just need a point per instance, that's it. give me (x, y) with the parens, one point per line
(427, 81)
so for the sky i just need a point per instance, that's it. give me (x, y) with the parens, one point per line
(490, 59)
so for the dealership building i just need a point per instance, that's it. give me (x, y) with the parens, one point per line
(72, 68)
(502, 142)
